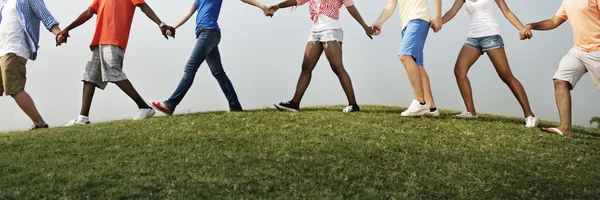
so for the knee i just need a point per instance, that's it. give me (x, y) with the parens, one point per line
(406, 58)
(460, 73)
(561, 84)
(191, 68)
(14, 95)
(219, 74)
(338, 69)
(306, 68)
(507, 78)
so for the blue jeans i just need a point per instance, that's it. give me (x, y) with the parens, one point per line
(484, 44)
(206, 49)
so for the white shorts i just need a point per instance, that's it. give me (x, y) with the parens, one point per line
(575, 64)
(327, 35)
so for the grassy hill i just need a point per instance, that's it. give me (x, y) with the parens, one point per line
(316, 154)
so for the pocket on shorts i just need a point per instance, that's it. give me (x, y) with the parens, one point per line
(114, 56)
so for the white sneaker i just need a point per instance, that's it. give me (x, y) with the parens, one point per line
(467, 115)
(435, 113)
(415, 109)
(144, 114)
(78, 121)
(532, 122)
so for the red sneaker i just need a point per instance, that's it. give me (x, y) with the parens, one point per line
(160, 106)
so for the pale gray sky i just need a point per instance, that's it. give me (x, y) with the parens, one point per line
(262, 57)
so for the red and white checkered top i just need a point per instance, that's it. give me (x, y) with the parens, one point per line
(329, 8)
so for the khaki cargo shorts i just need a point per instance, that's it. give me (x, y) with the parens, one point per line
(12, 74)
(577, 63)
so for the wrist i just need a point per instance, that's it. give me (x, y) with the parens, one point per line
(162, 24)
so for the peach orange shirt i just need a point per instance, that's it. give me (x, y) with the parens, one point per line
(584, 16)
(113, 23)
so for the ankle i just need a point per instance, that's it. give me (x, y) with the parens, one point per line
(145, 106)
(83, 118)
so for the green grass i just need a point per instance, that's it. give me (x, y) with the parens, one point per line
(316, 154)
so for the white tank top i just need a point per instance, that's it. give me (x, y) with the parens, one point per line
(482, 21)
(324, 22)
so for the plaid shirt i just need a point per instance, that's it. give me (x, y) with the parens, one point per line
(329, 8)
(30, 14)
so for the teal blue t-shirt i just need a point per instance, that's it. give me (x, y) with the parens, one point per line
(208, 14)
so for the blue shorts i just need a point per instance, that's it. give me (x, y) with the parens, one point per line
(486, 43)
(413, 39)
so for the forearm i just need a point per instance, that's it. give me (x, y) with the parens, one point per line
(385, 15)
(182, 21)
(55, 29)
(150, 13)
(438, 7)
(514, 20)
(543, 25)
(356, 15)
(448, 16)
(287, 3)
(254, 3)
(84, 17)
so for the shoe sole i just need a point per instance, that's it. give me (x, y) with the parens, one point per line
(430, 114)
(414, 114)
(157, 108)
(149, 116)
(284, 108)
(77, 124)
(466, 117)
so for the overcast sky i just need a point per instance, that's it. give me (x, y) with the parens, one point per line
(262, 57)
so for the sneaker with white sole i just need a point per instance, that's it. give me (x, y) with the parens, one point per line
(467, 115)
(144, 113)
(351, 108)
(288, 106)
(532, 122)
(415, 109)
(78, 121)
(435, 113)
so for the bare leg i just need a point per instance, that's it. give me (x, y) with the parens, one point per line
(333, 51)
(414, 76)
(28, 106)
(311, 57)
(498, 58)
(88, 95)
(466, 58)
(128, 88)
(426, 87)
(563, 102)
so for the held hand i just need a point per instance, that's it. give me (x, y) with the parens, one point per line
(273, 9)
(268, 11)
(369, 31)
(167, 31)
(376, 29)
(436, 24)
(62, 37)
(525, 33)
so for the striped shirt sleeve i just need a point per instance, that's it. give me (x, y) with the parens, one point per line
(41, 11)
(348, 3)
(301, 2)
